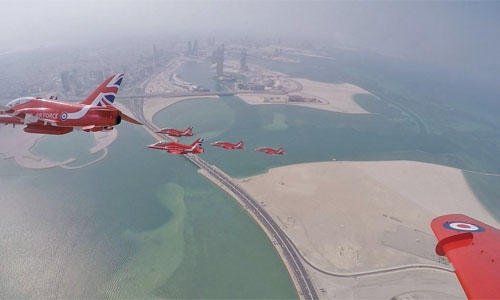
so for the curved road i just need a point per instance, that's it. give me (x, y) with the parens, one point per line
(290, 253)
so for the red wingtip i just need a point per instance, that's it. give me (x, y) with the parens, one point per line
(473, 249)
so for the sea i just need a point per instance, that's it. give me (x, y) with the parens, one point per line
(141, 223)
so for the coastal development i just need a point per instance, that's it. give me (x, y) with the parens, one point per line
(319, 228)
(344, 229)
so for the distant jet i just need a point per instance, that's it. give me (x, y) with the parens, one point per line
(279, 151)
(178, 148)
(228, 145)
(176, 132)
(49, 116)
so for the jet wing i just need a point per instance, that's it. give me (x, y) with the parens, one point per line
(130, 119)
(6, 119)
(474, 250)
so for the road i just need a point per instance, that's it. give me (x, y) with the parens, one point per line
(305, 287)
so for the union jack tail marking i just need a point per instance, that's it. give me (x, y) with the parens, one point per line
(105, 94)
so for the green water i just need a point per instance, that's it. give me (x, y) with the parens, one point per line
(150, 225)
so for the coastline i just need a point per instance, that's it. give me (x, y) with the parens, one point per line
(17, 145)
(334, 97)
(346, 243)
(340, 213)
(356, 223)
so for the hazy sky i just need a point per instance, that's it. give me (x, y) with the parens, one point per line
(448, 32)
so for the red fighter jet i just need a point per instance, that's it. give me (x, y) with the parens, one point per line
(178, 148)
(271, 151)
(228, 145)
(176, 132)
(49, 116)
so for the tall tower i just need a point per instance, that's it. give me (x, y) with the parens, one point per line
(243, 61)
(220, 61)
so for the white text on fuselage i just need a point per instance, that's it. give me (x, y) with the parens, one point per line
(47, 115)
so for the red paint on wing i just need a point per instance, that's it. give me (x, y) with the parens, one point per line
(474, 250)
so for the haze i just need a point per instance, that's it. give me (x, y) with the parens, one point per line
(452, 34)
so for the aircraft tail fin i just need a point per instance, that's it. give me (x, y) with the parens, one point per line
(188, 130)
(105, 93)
(197, 143)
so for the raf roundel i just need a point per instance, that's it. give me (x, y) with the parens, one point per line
(64, 116)
(463, 227)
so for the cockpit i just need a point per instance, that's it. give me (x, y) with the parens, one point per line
(19, 101)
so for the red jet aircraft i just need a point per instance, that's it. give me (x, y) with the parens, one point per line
(176, 132)
(95, 113)
(228, 145)
(271, 151)
(178, 148)
(473, 249)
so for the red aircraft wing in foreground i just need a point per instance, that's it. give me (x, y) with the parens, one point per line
(176, 132)
(178, 148)
(49, 116)
(228, 145)
(279, 151)
(474, 250)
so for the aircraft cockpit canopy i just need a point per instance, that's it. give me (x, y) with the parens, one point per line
(19, 101)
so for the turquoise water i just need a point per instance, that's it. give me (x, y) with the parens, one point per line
(138, 224)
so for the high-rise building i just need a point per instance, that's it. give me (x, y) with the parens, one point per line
(220, 60)
(66, 81)
(243, 61)
(190, 48)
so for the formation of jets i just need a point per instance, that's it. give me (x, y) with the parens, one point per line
(460, 237)
(196, 147)
(96, 113)
(49, 116)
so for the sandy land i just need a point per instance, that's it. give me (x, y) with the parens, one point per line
(337, 213)
(17, 144)
(334, 97)
(349, 218)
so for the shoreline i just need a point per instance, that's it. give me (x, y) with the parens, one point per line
(352, 219)
(401, 244)
(21, 150)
